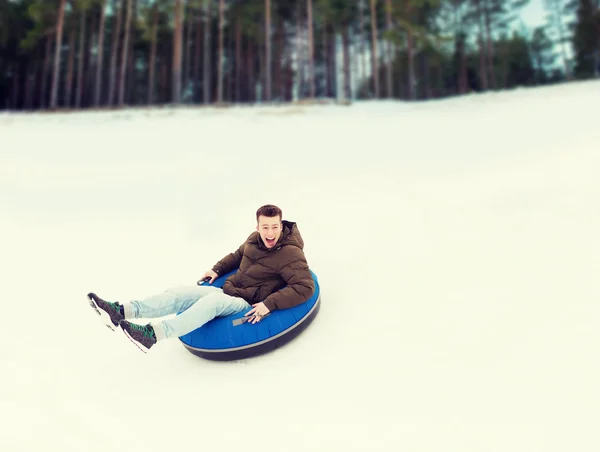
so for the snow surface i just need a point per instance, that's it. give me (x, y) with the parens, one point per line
(456, 243)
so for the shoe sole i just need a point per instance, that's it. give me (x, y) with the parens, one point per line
(104, 317)
(137, 344)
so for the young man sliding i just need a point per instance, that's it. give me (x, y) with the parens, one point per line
(272, 274)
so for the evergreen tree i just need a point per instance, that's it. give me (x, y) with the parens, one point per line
(543, 55)
(558, 29)
(586, 39)
(521, 70)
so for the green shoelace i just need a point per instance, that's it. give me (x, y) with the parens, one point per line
(141, 328)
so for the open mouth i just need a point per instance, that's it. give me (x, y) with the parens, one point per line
(270, 242)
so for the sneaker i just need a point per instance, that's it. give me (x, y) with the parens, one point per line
(141, 335)
(110, 313)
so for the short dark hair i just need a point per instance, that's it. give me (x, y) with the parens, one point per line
(269, 210)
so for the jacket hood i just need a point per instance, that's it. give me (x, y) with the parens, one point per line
(290, 235)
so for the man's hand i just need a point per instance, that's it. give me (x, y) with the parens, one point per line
(208, 276)
(259, 310)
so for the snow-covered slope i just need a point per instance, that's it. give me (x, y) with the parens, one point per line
(456, 243)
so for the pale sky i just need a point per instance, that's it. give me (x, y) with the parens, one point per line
(534, 14)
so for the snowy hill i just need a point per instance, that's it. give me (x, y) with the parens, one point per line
(455, 242)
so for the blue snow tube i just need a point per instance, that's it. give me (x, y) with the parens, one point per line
(222, 340)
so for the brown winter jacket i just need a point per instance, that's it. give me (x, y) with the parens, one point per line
(279, 276)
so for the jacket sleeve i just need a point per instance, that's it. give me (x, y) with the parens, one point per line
(300, 285)
(229, 262)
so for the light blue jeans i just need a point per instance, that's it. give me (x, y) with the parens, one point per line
(197, 304)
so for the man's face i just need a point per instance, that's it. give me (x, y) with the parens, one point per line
(269, 229)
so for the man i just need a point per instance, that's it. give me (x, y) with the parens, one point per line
(272, 274)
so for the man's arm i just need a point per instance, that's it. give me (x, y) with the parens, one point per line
(229, 262)
(300, 285)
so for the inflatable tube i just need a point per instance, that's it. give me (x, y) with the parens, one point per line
(222, 340)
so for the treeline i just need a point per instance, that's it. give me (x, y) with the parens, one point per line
(106, 53)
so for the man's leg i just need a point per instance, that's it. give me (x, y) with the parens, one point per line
(171, 301)
(215, 304)
(168, 302)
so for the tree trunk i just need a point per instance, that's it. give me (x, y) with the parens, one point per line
(441, 92)
(362, 39)
(114, 50)
(326, 65)
(346, 58)
(188, 46)
(277, 58)
(164, 90)
(260, 72)
(333, 63)
(16, 84)
(124, 53)
(206, 82)
(98, 87)
(388, 16)
(460, 49)
(131, 96)
(198, 56)
(412, 93)
(46, 73)
(30, 85)
(595, 10)
(89, 60)
(238, 58)
(561, 36)
(299, 54)
(220, 58)
(490, 49)
(375, 68)
(268, 50)
(463, 83)
(88, 92)
(37, 76)
(185, 28)
(427, 89)
(59, 34)
(78, 92)
(311, 48)
(69, 82)
(482, 65)
(231, 66)
(185, 11)
(482, 51)
(177, 43)
(250, 71)
(152, 63)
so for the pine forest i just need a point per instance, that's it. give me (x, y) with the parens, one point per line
(80, 54)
